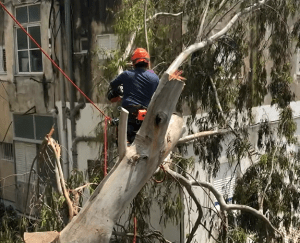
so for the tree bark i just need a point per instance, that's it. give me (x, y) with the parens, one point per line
(156, 138)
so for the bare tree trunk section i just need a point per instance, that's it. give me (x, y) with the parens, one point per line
(153, 143)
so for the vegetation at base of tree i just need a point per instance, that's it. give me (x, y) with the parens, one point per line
(11, 225)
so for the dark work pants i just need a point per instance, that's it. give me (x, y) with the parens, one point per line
(133, 124)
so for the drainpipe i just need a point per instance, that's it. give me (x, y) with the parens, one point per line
(71, 74)
(81, 139)
(73, 115)
(64, 134)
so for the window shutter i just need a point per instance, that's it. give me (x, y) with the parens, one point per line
(225, 186)
(25, 154)
(106, 44)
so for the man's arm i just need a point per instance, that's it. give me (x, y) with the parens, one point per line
(115, 91)
(118, 81)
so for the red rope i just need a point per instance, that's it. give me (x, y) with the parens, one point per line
(53, 62)
(105, 147)
(161, 167)
(135, 229)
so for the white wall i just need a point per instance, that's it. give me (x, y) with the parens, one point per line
(260, 113)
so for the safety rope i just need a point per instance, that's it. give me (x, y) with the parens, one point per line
(165, 174)
(135, 229)
(105, 146)
(107, 118)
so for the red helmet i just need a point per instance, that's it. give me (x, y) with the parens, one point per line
(140, 55)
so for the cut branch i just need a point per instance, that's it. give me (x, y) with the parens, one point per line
(56, 150)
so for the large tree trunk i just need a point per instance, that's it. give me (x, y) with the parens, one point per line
(153, 143)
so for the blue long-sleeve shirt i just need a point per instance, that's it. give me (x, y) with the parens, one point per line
(138, 86)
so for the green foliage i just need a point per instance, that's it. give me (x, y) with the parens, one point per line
(53, 213)
(274, 177)
(11, 227)
(249, 66)
(237, 235)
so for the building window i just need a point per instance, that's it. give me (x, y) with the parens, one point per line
(84, 45)
(29, 57)
(6, 151)
(33, 127)
(106, 44)
(2, 44)
(226, 187)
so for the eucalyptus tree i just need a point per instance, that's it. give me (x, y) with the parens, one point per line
(235, 55)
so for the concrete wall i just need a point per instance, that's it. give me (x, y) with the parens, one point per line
(8, 180)
(22, 93)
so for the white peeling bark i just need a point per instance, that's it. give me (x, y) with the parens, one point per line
(153, 143)
(192, 137)
(122, 133)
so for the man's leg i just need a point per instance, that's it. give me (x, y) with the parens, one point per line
(132, 129)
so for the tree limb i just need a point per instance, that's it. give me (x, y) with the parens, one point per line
(223, 205)
(154, 234)
(197, 46)
(190, 191)
(122, 133)
(84, 186)
(192, 137)
(56, 150)
(223, 116)
(198, 39)
(145, 28)
(164, 14)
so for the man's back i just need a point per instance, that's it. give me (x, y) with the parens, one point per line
(138, 86)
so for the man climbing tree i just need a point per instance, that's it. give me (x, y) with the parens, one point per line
(139, 85)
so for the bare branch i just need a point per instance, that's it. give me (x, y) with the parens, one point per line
(164, 14)
(56, 149)
(224, 119)
(197, 46)
(127, 50)
(198, 39)
(122, 133)
(190, 191)
(192, 137)
(154, 234)
(84, 186)
(226, 207)
(145, 28)
(223, 205)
